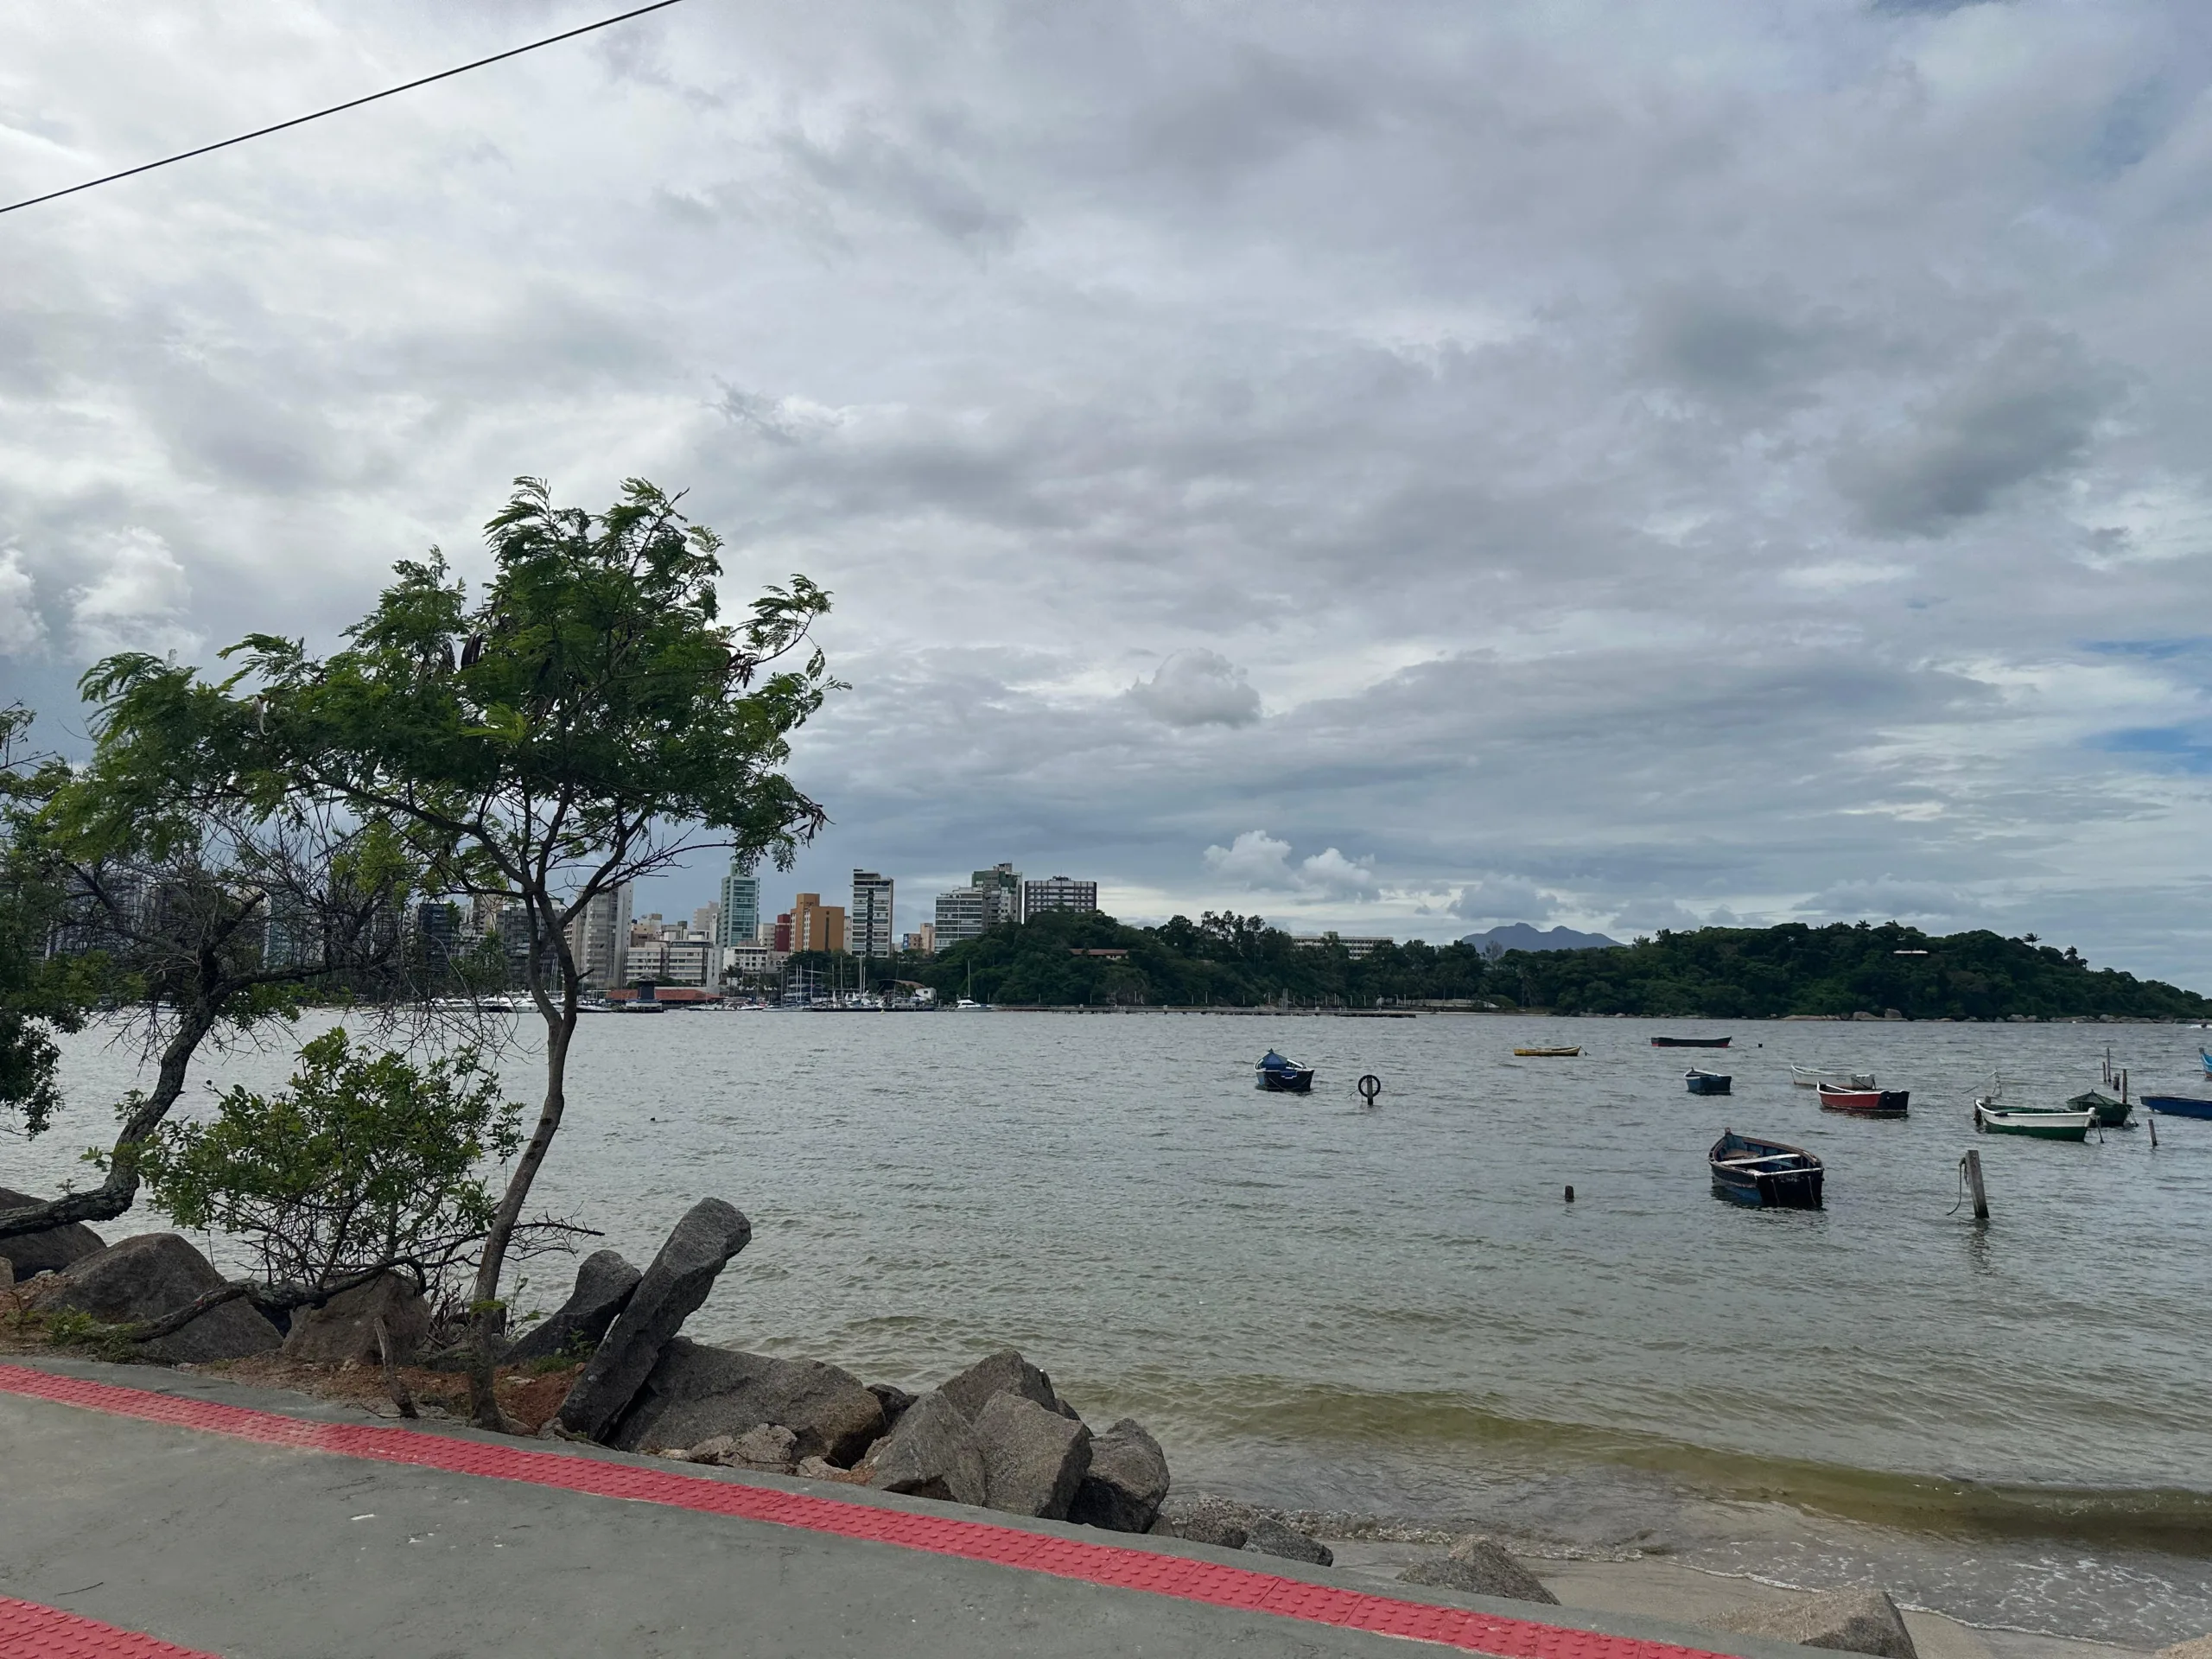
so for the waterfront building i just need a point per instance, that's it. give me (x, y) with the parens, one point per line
(752, 961)
(815, 925)
(738, 922)
(599, 940)
(706, 924)
(963, 913)
(780, 934)
(1058, 893)
(871, 914)
(1355, 944)
(922, 941)
(1002, 887)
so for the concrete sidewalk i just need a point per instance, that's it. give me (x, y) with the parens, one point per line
(255, 1551)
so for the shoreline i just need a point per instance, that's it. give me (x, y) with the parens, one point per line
(1652, 1580)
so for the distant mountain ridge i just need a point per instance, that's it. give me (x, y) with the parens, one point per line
(1519, 935)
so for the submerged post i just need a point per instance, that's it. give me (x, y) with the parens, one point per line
(1972, 1163)
(1570, 1194)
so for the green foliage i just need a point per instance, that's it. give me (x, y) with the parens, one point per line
(561, 734)
(368, 1159)
(1726, 973)
(39, 996)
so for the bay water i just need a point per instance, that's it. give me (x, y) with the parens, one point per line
(1393, 1311)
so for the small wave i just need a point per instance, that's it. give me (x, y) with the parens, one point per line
(2174, 1520)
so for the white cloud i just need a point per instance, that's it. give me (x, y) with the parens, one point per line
(22, 630)
(137, 603)
(1197, 688)
(1257, 860)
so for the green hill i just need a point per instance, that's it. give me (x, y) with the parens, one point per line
(1065, 959)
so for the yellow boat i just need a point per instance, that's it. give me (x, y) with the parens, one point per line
(1547, 1053)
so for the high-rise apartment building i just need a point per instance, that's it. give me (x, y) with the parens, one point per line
(1002, 887)
(963, 913)
(1058, 893)
(922, 941)
(706, 924)
(599, 939)
(780, 933)
(740, 920)
(815, 925)
(871, 915)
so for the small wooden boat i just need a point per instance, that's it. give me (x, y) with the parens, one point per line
(1765, 1172)
(1811, 1077)
(1864, 1102)
(2205, 1054)
(1547, 1054)
(1991, 1118)
(1707, 1082)
(1690, 1042)
(1284, 1076)
(2178, 1105)
(2110, 1113)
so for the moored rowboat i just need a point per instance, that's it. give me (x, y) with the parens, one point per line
(2178, 1106)
(2112, 1114)
(1547, 1054)
(1811, 1077)
(1707, 1082)
(1992, 1119)
(1690, 1042)
(1768, 1174)
(1865, 1103)
(1283, 1077)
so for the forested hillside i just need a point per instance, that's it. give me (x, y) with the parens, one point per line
(1721, 972)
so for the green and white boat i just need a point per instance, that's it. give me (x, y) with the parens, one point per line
(2049, 1124)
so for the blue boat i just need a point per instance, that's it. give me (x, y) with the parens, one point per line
(1284, 1076)
(1766, 1174)
(1707, 1082)
(2178, 1105)
(2205, 1054)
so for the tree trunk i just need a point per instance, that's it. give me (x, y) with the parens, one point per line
(120, 1190)
(560, 1027)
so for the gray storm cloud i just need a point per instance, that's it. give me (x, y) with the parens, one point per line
(1701, 460)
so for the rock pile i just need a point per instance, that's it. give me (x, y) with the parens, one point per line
(48, 1251)
(1862, 1620)
(995, 1436)
(1480, 1566)
(1227, 1524)
(150, 1277)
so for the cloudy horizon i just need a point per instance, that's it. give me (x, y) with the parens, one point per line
(1398, 470)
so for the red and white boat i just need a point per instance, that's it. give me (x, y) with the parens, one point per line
(1864, 1102)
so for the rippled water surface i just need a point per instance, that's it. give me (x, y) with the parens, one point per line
(1394, 1310)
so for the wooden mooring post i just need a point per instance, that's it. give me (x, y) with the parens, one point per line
(1972, 1163)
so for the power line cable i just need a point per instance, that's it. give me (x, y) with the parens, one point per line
(352, 104)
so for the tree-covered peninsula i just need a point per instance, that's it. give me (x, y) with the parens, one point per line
(1063, 959)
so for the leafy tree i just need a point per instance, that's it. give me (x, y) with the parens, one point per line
(38, 998)
(195, 900)
(587, 721)
(369, 1164)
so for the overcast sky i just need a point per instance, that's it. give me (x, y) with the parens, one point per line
(1400, 467)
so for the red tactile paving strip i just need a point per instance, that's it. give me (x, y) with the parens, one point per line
(1115, 1565)
(30, 1631)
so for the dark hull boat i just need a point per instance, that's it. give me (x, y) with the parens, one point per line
(1707, 1082)
(1765, 1173)
(1284, 1076)
(2178, 1106)
(1690, 1042)
(2112, 1114)
(1865, 1103)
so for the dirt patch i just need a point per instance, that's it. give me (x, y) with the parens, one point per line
(529, 1393)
